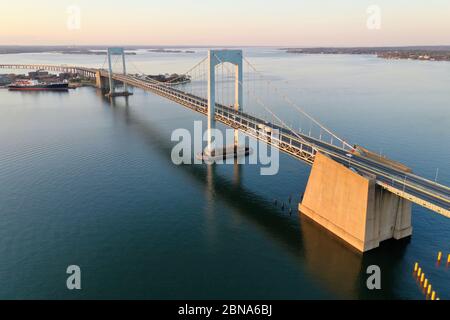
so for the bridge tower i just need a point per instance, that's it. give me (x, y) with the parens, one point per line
(215, 58)
(112, 91)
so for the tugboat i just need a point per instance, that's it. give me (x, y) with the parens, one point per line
(34, 85)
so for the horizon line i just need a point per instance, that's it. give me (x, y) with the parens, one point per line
(223, 45)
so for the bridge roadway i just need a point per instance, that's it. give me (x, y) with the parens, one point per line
(414, 188)
(419, 190)
(88, 72)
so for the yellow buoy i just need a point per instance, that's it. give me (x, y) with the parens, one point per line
(448, 258)
(419, 272)
(422, 277)
(416, 265)
(425, 283)
(429, 289)
(433, 295)
(439, 258)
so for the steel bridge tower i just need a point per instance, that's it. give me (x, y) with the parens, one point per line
(112, 91)
(215, 58)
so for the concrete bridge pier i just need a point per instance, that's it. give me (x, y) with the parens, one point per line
(353, 207)
(101, 82)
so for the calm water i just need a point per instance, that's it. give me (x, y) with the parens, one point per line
(89, 183)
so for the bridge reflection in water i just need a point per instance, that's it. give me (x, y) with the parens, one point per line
(324, 259)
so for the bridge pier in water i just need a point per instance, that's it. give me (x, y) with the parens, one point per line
(108, 83)
(215, 58)
(353, 206)
(100, 81)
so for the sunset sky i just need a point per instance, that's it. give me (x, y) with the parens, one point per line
(230, 22)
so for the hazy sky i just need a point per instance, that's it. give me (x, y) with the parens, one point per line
(225, 22)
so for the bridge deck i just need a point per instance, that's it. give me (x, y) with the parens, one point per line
(407, 185)
(414, 188)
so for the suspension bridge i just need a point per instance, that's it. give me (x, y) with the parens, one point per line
(361, 197)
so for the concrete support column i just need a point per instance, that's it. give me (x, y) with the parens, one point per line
(212, 62)
(100, 82)
(238, 95)
(111, 81)
(353, 207)
(124, 69)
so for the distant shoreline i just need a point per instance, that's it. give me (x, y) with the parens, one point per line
(426, 53)
(90, 50)
(162, 50)
(423, 53)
